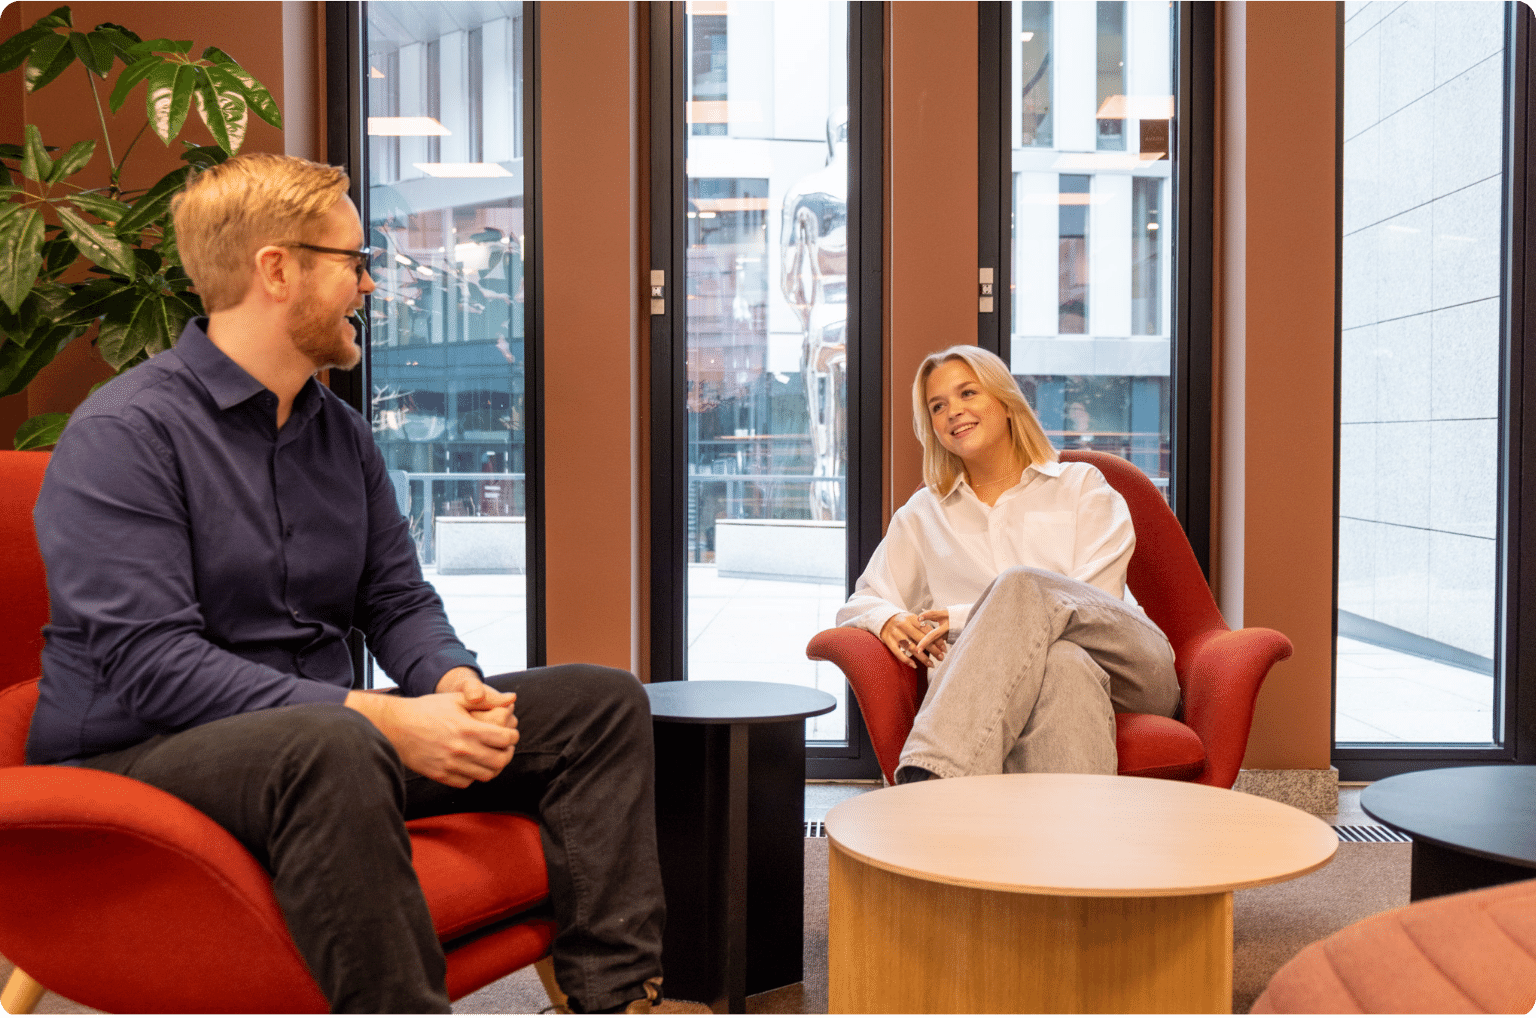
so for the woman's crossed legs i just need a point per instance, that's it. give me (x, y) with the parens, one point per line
(1035, 679)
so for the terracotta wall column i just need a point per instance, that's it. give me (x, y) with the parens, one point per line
(1287, 334)
(931, 212)
(588, 89)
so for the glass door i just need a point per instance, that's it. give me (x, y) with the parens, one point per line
(755, 343)
(448, 351)
(1424, 361)
(1089, 323)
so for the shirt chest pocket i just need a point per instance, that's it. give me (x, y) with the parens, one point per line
(1046, 540)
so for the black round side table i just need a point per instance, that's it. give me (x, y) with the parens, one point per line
(1471, 826)
(730, 814)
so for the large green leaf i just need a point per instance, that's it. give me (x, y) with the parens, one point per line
(94, 51)
(120, 38)
(151, 326)
(56, 18)
(260, 100)
(21, 254)
(203, 156)
(160, 46)
(155, 202)
(96, 298)
(131, 76)
(97, 243)
(59, 253)
(20, 363)
(35, 162)
(148, 261)
(48, 59)
(108, 210)
(19, 46)
(169, 98)
(175, 313)
(73, 161)
(221, 103)
(41, 431)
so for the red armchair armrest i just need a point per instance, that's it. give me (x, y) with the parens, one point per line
(1221, 684)
(887, 691)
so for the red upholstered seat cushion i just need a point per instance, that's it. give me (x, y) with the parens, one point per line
(1150, 746)
(476, 868)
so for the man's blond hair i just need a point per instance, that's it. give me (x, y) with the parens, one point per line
(228, 212)
(1030, 444)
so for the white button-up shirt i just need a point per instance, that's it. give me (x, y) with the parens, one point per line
(942, 552)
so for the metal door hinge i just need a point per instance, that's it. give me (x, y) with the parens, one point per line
(658, 292)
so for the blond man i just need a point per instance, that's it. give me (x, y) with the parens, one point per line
(215, 523)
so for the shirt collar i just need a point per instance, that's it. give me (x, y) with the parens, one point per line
(227, 382)
(1050, 469)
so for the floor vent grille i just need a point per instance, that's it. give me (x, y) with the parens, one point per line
(815, 829)
(1368, 832)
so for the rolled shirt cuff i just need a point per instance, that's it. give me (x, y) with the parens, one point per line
(424, 677)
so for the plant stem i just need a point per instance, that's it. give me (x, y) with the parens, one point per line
(105, 136)
(127, 152)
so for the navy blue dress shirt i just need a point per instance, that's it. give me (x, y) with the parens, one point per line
(202, 563)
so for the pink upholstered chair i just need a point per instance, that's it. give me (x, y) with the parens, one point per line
(1471, 953)
(124, 898)
(1219, 669)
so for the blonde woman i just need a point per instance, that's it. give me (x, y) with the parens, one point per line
(1005, 576)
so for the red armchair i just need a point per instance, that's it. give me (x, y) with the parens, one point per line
(1220, 670)
(124, 898)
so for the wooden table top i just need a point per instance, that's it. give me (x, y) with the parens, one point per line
(1081, 835)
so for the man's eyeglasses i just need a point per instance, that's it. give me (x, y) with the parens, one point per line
(361, 255)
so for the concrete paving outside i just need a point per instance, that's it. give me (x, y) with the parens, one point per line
(757, 629)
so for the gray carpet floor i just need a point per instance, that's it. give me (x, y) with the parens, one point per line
(1270, 924)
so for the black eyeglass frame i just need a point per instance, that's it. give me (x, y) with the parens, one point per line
(362, 254)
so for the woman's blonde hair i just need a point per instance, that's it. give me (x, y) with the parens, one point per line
(940, 466)
(228, 212)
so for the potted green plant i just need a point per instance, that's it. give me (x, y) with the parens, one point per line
(133, 284)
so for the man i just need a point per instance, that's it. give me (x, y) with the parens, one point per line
(214, 523)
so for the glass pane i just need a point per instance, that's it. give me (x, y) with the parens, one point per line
(1420, 415)
(1091, 307)
(446, 363)
(766, 309)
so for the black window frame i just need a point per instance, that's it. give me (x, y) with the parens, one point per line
(1515, 636)
(670, 83)
(346, 125)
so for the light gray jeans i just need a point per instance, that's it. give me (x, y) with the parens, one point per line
(1034, 681)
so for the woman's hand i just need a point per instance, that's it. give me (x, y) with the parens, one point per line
(936, 643)
(910, 638)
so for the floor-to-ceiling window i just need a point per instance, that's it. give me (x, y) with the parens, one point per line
(1430, 220)
(447, 372)
(1096, 128)
(754, 339)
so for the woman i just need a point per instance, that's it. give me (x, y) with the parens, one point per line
(1005, 575)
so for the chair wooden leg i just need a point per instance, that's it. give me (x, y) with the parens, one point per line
(21, 994)
(546, 969)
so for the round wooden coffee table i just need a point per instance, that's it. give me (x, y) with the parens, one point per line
(1050, 892)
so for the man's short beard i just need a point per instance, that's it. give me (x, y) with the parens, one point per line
(314, 334)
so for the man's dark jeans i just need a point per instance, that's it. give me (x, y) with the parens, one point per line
(320, 798)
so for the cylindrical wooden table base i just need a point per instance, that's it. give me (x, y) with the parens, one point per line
(900, 944)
